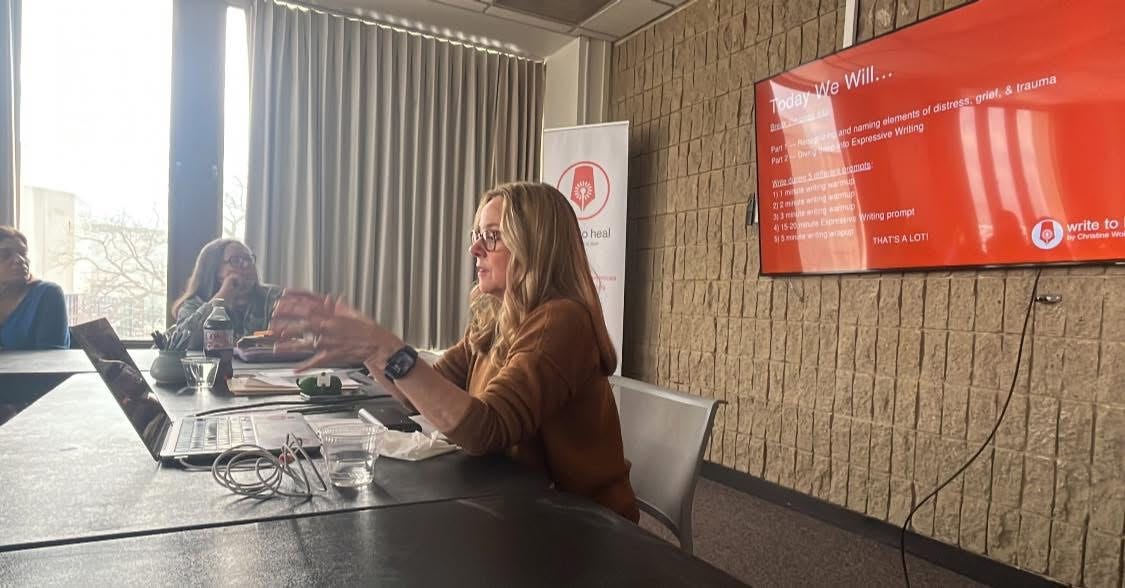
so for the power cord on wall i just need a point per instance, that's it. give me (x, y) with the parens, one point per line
(1049, 299)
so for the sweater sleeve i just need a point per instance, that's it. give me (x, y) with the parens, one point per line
(454, 364)
(51, 328)
(190, 318)
(554, 351)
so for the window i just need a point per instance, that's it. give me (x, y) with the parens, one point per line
(236, 123)
(94, 148)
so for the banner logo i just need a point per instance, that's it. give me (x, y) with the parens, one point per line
(1047, 234)
(587, 186)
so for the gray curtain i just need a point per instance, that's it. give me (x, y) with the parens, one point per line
(9, 110)
(368, 149)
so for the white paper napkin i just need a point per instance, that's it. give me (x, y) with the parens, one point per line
(414, 446)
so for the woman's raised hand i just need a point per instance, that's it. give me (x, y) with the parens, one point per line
(232, 287)
(340, 334)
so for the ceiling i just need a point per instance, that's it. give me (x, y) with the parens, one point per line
(533, 28)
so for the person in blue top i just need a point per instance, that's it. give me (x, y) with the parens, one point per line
(32, 312)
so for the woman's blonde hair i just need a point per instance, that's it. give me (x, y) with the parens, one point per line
(548, 262)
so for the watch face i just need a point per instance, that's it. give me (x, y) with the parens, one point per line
(399, 364)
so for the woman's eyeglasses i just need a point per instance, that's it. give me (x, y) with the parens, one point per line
(490, 238)
(240, 261)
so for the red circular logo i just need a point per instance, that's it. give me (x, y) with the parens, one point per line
(588, 188)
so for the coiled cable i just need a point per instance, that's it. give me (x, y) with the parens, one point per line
(252, 471)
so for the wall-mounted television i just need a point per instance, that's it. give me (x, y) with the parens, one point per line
(989, 135)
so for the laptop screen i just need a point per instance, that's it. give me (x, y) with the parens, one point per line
(125, 381)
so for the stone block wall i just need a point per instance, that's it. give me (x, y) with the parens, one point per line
(860, 390)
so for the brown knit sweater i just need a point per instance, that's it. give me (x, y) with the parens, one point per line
(550, 405)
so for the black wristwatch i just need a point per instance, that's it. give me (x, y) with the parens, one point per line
(400, 363)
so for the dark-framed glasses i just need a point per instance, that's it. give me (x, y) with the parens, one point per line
(239, 261)
(491, 238)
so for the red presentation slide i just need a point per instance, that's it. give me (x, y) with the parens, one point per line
(990, 135)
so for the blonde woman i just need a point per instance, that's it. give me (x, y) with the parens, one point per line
(535, 359)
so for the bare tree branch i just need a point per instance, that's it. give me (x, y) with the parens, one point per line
(125, 263)
(234, 208)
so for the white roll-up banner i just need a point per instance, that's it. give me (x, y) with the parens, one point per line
(590, 166)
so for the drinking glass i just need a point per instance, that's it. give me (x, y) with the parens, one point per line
(200, 371)
(349, 452)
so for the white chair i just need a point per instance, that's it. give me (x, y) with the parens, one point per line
(665, 434)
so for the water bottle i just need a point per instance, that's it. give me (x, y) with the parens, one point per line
(218, 341)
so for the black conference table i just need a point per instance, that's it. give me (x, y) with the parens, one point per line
(74, 468)
(528, 540)
(84, 501)
(67, 362)
(59, 362)
(25, 376)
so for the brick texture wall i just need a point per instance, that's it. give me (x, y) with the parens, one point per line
(859, 390)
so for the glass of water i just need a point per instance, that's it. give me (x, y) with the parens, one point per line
(200, 371)
(349, 452)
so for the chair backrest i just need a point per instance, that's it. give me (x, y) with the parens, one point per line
(665, 435)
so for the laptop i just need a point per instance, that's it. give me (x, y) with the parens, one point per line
(194, 438)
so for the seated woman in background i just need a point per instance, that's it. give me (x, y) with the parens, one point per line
(530, 377)
(32, 312)
(225, 269)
